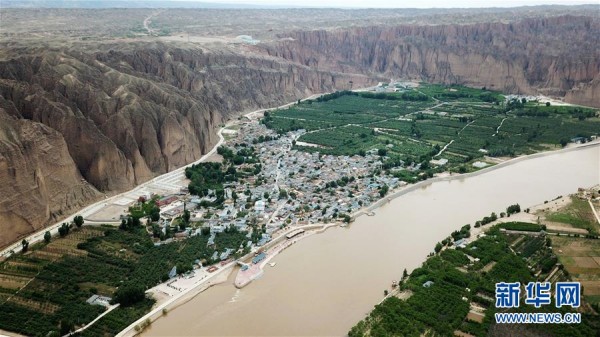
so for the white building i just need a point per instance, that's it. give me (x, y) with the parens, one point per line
(259, 206)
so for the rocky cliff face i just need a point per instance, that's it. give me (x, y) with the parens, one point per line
(91, 118)
(556, 56)
(120, 116)
(38, 179)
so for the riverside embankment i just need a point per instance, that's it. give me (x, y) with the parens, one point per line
(345, 270)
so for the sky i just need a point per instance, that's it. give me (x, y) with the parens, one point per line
(408, 3)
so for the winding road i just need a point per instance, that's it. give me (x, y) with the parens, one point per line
(93, 208)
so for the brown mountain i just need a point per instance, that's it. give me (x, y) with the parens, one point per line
(557, 56)
(79, 118)
(119, 117)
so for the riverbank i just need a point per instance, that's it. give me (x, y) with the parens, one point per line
(166, 303)
(395, 193)
(273, 249)
(176, 292)
(337, 268)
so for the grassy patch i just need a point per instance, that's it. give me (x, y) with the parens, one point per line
(577, 214)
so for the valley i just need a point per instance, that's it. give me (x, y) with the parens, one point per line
(143, 169)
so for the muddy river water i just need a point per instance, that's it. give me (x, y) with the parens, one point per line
(325, 284)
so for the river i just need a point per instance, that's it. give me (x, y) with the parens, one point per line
(327, 283)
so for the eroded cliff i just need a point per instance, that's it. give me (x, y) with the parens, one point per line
(557, 56)
(38, 179)
(83, 119)
(120, 115)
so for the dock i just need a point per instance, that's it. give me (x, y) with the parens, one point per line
(294, 233)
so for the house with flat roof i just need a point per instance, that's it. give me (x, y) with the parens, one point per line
(259, 206)
(99, 300)
(259, 258)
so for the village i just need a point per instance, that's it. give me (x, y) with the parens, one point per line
(294, 188)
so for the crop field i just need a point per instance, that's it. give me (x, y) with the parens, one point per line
(581, 258)
(576, 214)
(415, 124)
(46, 288)
(457, 286)
(459, 93)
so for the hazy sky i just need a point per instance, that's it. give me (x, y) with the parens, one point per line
(409, 3)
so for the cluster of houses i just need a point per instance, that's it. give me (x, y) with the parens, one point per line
(293, 188)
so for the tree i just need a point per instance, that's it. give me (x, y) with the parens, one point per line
(66, 326)
(78, 220)
(547, 103)
(47, 237)
(63, 230)
(564, 142)
(129, 294)
(282, 193)
(24, 245)
(404, 273)
(155, 214)
(186, 216)
(382, 152)
(383, 190)
(438, 247)
(516, 208)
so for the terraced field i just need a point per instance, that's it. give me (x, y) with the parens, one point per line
(432, 122)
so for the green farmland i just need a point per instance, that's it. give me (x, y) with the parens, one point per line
(453, 292)
(43, 292)
(415, 125)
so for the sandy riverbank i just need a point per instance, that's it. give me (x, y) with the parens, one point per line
(277, 246)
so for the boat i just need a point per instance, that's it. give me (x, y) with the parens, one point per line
(272, 264)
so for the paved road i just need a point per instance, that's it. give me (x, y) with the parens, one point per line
(111, 308)
(164, 179)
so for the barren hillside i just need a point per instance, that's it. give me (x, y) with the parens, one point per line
(93, 103)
